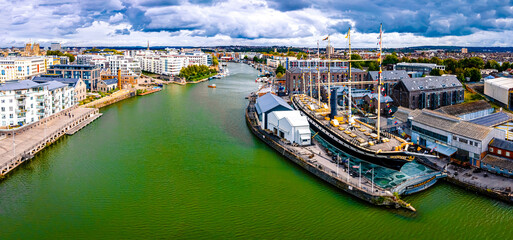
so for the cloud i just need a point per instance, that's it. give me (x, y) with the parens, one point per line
(261, 22)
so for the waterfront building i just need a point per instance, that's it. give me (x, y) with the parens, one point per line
(468, 111)
(448, 135)
(267, 104)
(107, 85)
(26, 101)
(428, 92)
(90, 74)
(79, 87)
(294, 77)
(388, 78)
(500, 90)
(19, 68)
(424, 68)
(500, 157)
(171, 62)
(127, 65)
(314, 63)
(127, 81)
(290, 125)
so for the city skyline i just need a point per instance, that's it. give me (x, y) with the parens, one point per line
(257, 22)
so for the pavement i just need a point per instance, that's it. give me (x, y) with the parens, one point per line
(479, 178)
(26, 140)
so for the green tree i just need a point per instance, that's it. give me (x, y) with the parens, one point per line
(451, 65)
(390, 59)
(505, 66)
(436, 72)
(355, 56)
(373, 66)
(436, 60)
(473, 73)
(473, 62)
(280, 70)
(246, 57)
(492, 64)
(215, 62)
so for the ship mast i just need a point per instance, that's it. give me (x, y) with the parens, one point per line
(349, 80)
(378, 125)
(318, 77)
(329, 66)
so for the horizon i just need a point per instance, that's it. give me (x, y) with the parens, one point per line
(203, 23)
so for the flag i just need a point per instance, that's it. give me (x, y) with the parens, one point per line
(395, 123)
(347, 35)
(390, 111)
(368, 171)
(326, 38)
(356, 166)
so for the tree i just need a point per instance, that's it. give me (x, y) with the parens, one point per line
(436, 60)
(473, 73)
(280, 70)
(59, 53)
(215, 62)
(436, 72)
(355, 56)
(492, 64)
(451, 65)
(373, 66)
(390, 59)
(505, 66)
(246, 57)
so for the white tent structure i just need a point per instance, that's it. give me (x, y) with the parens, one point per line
(290, 125)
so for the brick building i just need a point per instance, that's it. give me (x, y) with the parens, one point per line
(294, 80)
(428, 92)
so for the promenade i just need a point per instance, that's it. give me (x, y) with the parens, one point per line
(14, 149)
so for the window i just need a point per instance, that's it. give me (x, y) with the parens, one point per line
(507, 154)
(499, 151)
(463, 140)
(491, 149)
(454, 138)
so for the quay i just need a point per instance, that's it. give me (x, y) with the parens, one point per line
(20, 145)
(312, 159)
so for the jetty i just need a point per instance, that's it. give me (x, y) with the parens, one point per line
(21, 144)
(313, 159)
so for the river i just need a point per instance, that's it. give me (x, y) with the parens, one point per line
(181, 163)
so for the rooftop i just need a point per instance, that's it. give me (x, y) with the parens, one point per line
(492, 119)
(25, 84)
(389, 75)
(417, 64)
(324, 70)
(70, 81)
(294, 117)
(52, 85)
(270, 101)
(465, 108)
(428, 83)
(497, 161)
(450, 124)
(502, 144)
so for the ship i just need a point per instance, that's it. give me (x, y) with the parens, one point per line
(346, 132)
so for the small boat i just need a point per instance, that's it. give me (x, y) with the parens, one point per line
(212, 86)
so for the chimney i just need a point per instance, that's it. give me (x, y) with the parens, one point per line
(119, 79)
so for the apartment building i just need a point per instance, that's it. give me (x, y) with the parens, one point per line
(20, 68)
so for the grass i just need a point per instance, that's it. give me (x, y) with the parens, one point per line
(196, 78)
(472, 97)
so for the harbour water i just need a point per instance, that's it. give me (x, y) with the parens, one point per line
(181, 163)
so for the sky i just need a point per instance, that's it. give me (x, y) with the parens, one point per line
(298, 23)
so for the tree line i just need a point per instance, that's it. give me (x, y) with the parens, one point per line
(59, 53)
(195, 72)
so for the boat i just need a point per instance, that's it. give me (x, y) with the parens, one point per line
(350, 135)
(212, 86)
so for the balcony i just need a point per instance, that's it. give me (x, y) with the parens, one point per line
(20, 96)
(22, 103)
(40, 106)
(21, 111)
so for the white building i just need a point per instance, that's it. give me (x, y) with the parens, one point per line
(290, 125)
(500, 90)
(170, 62)
(19, 68)
(26, 101)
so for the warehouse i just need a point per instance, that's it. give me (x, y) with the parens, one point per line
(269, 103)
(500, 90)
(290, 125)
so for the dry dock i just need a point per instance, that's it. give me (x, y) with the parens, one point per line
(20, 145)
(316, 162)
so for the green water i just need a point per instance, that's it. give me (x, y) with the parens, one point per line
(182, 164)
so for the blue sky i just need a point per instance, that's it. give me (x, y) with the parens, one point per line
(256, 22)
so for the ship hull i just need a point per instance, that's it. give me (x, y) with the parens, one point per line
(393, 160)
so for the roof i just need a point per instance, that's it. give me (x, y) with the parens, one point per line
(389, 75)
(294, 118)
(324, 70)
(52, 85)
(502, 144)
(492, 119)
(270, 101)
(465, 108)
(110, 81)
(501, 82)
(25, 84)
(498, 161)
(429, 83)
(451, 124)
(383, 99)
(402, 114)
(70, 81)
(432, 65)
